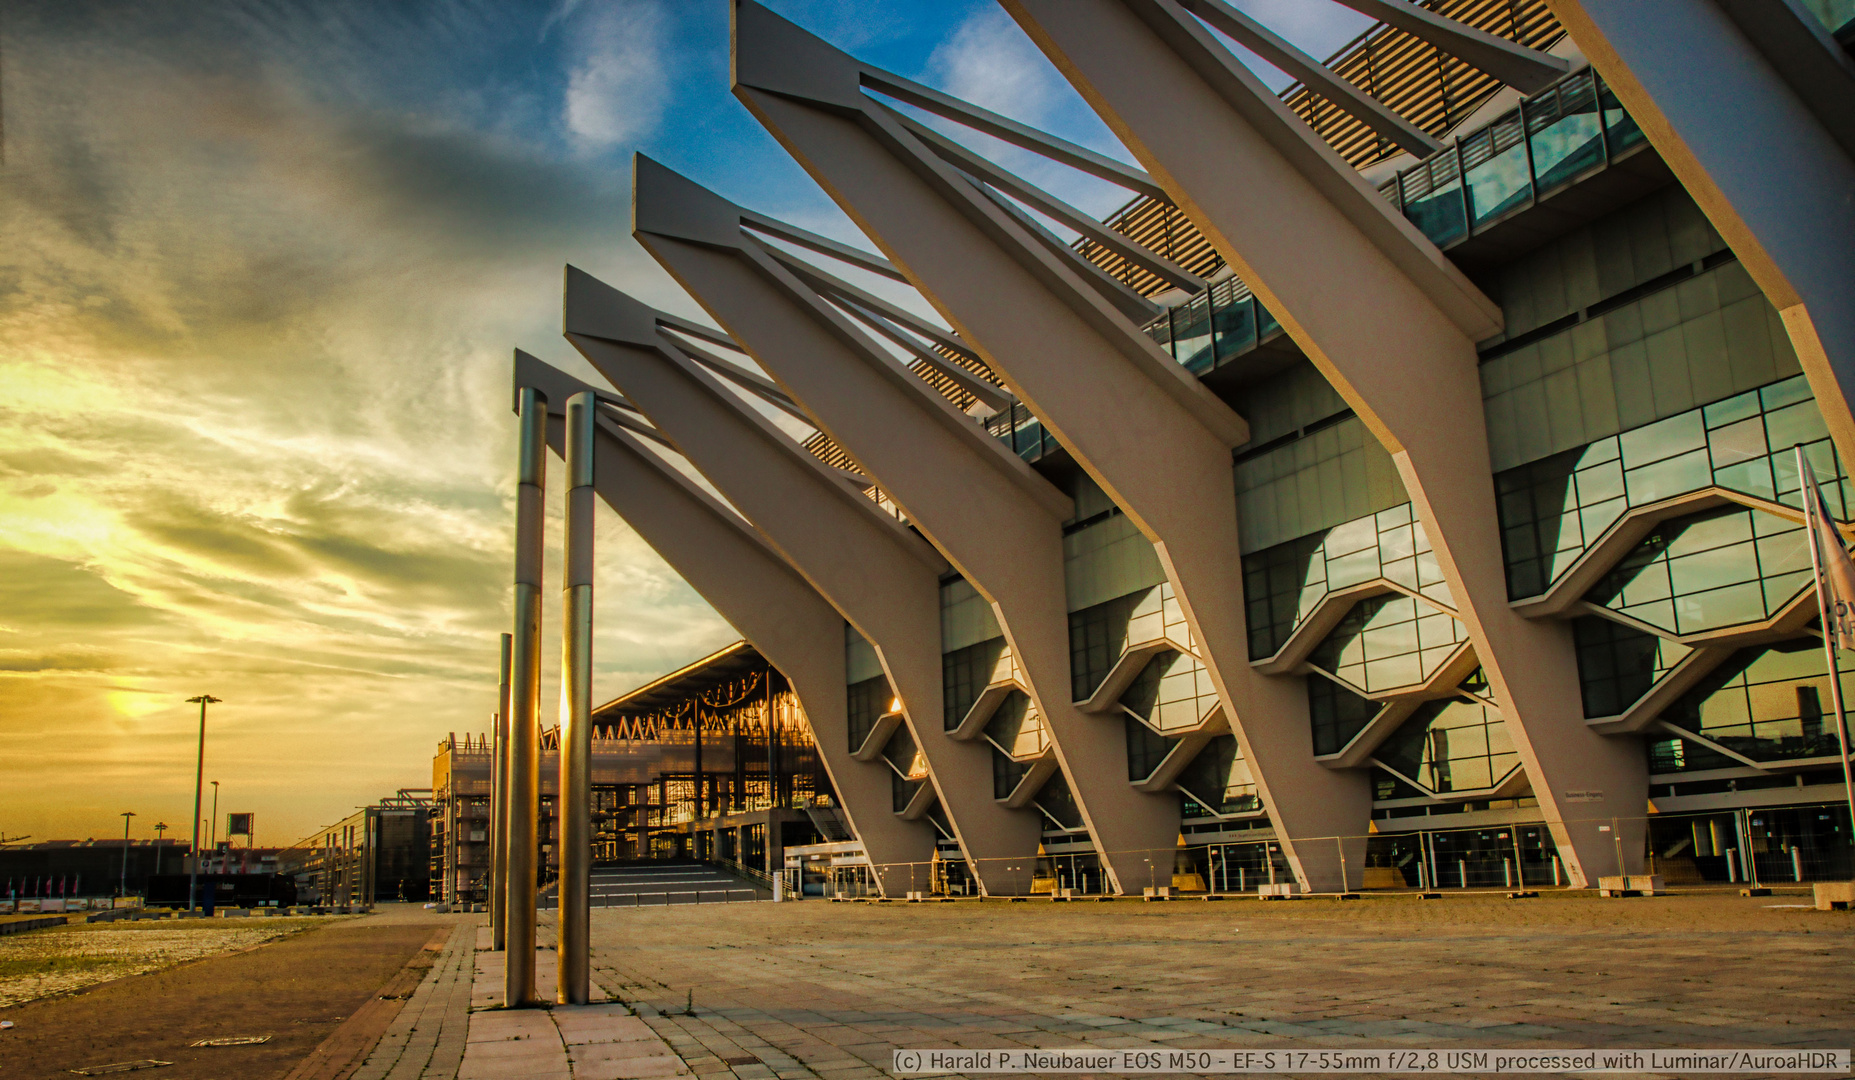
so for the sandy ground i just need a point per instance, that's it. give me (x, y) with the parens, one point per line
(60, 960)
(299, 983)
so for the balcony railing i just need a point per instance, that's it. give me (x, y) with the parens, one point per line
(1549, 141)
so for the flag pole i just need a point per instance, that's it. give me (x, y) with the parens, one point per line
(1812, 505)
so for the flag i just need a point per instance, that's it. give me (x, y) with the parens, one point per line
(1836, 583)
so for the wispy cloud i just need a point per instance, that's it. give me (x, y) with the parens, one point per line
(618, 85)
(255, 322)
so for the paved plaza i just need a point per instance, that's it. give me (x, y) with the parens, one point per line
(828, 990)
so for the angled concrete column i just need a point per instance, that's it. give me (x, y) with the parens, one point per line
(1390, 322)
(764, 599)
(1753, 107)
(1150, 434)
(994, 518)
(884, 580)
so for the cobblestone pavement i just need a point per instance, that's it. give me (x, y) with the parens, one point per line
(426, 1040)
(828, 990)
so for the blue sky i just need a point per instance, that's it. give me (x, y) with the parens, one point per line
(264, 265)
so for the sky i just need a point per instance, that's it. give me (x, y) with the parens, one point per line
(262, 267)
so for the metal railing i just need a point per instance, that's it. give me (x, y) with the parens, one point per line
(1549, 141)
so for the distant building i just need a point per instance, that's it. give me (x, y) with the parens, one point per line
(378, 853)
(714, 761)
(85, 867)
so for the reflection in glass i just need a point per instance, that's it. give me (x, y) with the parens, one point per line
(864, 704)
(1336, 714)
(1283, 585)
(1146, 748)
(1459, 744)
(1387, 642)
(1553, 509)
(1618, 664)
(1709, 571)
(1218, 781)
(964, 675)
(1765, 704)
(1173, 692)
(1016, 728)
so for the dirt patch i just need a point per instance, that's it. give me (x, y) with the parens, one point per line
(297, 990)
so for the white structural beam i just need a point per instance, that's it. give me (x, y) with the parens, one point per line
(1526, 70)
(764, 599)
(1155, 439)
(881, 577)
(1760, 129)
(1391, 324)
(994, 518)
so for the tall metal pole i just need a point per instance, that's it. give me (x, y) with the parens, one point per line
(1812, 503)
(574, 807)
(525, 706)
(499, 807)
(199, 785)
(123, 889)
(212, 831)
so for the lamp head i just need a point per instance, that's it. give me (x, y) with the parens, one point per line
(203, 699)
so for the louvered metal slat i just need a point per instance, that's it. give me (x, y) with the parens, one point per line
(1432, 90)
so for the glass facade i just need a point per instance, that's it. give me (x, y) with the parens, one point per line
(1699, 333)
(1017, 729)
(908, 768)
(1328, 475)
(1173, 693)
(1766, 704)
(1218, 781)
(1552, 510)
(864, 704)
(1388, 642)
(1058, 803)
(1284, 585)
(1097, 636)
(965, 673)
(1709, 571)
(1146, 748)
(1459, 744)
(1007, 772)
(1336, 714)
(1618, 664)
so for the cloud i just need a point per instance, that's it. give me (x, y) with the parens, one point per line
(264, 266)
(989, 62)
(617, 87)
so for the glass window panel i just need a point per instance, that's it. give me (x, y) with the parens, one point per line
(1663, 439)
(1669, 477)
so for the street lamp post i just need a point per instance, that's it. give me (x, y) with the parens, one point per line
(199, 785)
(212, 832)
(123, 889)
(160, 828)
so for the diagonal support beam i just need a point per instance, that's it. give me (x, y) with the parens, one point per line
(761, 596)
(882, 578)
(1280, 206)
(1155, 439)
(996, 520)
(1526, 70)
(1276, 49)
